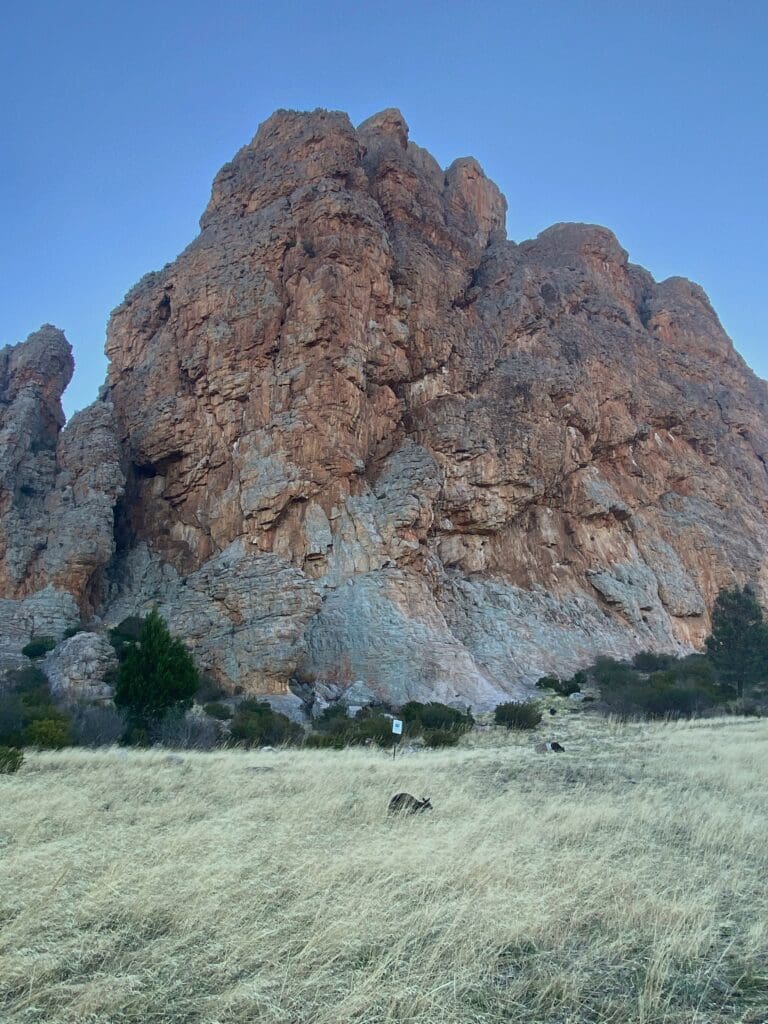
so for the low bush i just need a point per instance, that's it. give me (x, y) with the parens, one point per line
(11, 759)
(523, 715)
(333, 719)
(39, 646)
(549, 683)
(565, 687)
(217, 710)
(125, 634)
(666, 687)
(11, 720)
(441, 737)
(369, 726)
(47, 733)
(73, 631)
(650, 661)
(27, 702)
(434, 716)
(255, 724)
(610, 674)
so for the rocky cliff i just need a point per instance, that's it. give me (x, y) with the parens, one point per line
(354, 435)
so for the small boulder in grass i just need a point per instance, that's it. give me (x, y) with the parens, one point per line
(552, 747)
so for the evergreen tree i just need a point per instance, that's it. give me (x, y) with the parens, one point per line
(738, 644)
(156, 675)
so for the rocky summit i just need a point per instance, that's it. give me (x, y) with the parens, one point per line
(355, 442)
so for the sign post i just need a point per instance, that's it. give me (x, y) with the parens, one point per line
(397, 730)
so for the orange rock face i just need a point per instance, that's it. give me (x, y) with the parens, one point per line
(464, 462)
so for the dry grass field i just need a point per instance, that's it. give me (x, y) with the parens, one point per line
(623, 881)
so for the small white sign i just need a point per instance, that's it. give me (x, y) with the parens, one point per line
(397, 726)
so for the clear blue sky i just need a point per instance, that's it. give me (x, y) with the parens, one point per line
(649, 117)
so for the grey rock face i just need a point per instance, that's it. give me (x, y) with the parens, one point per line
(58, 489)
(32, 379)
(382, 634)
(518, 635)
(49, 612)
(80, 509)
(244, 614)
(76, 669)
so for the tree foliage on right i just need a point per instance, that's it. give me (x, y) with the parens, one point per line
(738, 644)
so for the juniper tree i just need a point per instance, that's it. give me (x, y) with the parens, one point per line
(157, 674)
(738, 644)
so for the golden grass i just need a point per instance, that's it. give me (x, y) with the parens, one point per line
(623, 881)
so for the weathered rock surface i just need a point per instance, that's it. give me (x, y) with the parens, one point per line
(355, 437)
(48, 612)
(244, 613)
(58, 488)
(77, 668)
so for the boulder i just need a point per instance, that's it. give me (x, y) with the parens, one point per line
(77, 669)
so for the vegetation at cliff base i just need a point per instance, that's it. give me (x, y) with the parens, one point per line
(255, 724)
(738, 643)
(28, 714)
(157, 674)
(523, 715)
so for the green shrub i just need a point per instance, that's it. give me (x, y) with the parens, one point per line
(549, 683)
(441, 737)
(26, 680)
(682, 688)
(11, 759)
(738, 644)
(38, 646)
(565, 687)
(27, 701)
(11, 720)
(49, 733)
(255, 724)
(418, 717)
(523, 715)
(73, 631)
(649, 661)
(369, 726)
(125, 634)
(333, 719)
(218, 710)
(610, 674)
(156, 675)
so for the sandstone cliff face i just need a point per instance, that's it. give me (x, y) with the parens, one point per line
(58, 490)
(365, 439)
